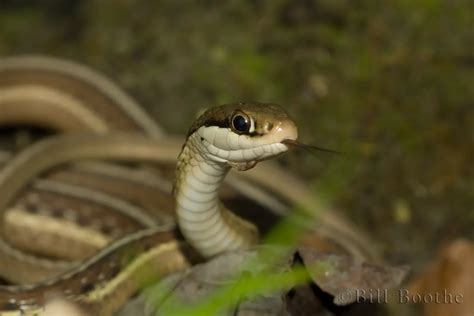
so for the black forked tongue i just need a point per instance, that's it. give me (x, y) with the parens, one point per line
(310, 148)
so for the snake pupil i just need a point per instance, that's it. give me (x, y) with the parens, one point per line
(241, 123)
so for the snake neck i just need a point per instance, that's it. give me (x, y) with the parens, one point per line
(204, 221)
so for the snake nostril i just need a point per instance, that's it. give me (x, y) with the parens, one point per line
(268, 126)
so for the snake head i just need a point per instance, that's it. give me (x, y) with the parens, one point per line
(243, 134)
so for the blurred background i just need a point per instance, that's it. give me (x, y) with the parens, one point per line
(389, 83)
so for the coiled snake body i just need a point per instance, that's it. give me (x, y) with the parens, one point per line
(236, 135)
(65, 97)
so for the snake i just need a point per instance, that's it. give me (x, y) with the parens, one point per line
(235, 136)
(67, 97)
(63, 96)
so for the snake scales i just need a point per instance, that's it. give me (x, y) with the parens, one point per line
(66, 97)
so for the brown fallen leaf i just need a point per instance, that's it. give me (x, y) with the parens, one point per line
(347, 278)
(342, 285)
(451, 278)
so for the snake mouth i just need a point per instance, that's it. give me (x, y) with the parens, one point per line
(290, 142)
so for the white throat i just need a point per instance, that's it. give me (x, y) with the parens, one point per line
(206, 224)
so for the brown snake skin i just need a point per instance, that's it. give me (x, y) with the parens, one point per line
(64, 97)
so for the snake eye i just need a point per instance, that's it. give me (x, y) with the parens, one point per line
(241, 123)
